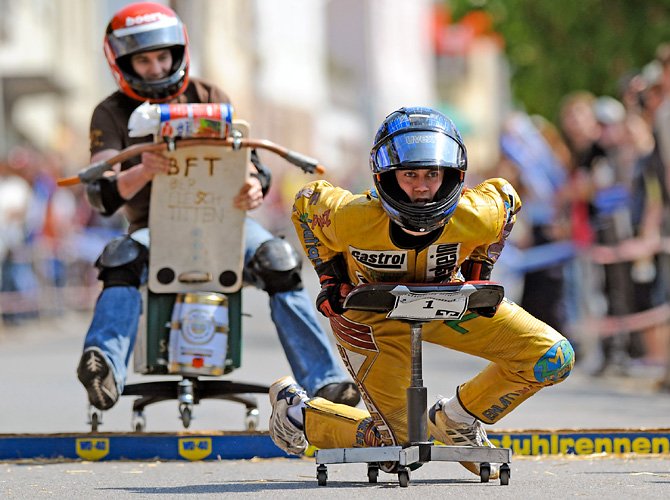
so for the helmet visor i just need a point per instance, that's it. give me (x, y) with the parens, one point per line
(419, 148)
(164, 33)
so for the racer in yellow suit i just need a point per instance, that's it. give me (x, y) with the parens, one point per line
(436, 231)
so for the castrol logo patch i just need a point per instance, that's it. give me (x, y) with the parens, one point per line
(393, 260)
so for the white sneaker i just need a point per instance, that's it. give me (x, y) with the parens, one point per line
(442, 428)
(285, 393)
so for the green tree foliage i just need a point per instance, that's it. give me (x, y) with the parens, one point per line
(558, 46)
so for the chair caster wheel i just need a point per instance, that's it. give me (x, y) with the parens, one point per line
(94, 418)
(403, 477)
(139, 421)
(252, 418)
(322, 475)
(185, 414)
(505, 474)
(373, 473)
(484, 472)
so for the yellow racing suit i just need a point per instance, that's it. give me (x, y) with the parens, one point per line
(525, 354)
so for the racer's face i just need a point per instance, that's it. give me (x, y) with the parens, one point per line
(152, 65)
(420, 185)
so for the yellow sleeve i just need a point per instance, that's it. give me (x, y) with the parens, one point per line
(505, 200)
(314, 216)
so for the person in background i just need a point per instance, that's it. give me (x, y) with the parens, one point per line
(146, 46)
(610, 178)
(541, 178)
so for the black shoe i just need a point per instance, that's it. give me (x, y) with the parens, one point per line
(345, 393)
(96, 375)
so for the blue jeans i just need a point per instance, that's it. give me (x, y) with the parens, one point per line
(308, 350)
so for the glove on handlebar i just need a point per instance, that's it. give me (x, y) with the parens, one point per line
(473, 270)
(334, 287)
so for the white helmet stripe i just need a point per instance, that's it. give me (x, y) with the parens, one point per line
(165, 22)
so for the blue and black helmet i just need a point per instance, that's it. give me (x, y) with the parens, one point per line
(418, 138)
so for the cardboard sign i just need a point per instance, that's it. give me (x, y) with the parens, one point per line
(197, 235)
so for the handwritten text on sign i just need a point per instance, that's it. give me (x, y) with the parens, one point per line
(188, 202)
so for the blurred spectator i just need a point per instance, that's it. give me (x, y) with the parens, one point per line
(611, 180)
(540, 177)
(652, 182)
(53, 243)
(48, 239)
(662, 113)
(580, 131)
(18, 284)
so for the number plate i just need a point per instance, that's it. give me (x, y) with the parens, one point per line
(437, 305)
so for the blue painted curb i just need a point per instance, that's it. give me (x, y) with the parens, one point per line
(241, 446)
(138, 446)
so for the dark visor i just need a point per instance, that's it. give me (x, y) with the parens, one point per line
(424, 147)
(129, 41)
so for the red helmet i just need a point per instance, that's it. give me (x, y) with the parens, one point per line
(142, 27)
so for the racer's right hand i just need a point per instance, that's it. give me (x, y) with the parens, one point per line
(335, 286)
(330, 300)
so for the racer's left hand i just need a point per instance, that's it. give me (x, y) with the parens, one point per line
(250, 195)
(486, 312)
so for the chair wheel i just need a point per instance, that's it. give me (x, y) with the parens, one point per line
(94, 418)
(251, 420)
(95, 422)
(403, 478)
(484, 472)
(322, 475)
(185, 415)
(139, 422)
(373, 473)
(505, 474)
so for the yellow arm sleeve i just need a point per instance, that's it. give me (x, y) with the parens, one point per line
(314, 216)
(505, 200)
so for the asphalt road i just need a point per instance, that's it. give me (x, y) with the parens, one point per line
(291, 478)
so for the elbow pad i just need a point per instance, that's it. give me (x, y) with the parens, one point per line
(103, 195)
(263, 173)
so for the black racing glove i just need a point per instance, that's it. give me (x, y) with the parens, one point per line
(334, 287)
(487, 312)
(474, 270)
(263, 173)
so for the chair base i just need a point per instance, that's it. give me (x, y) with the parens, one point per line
(188, 391)
(398, 459)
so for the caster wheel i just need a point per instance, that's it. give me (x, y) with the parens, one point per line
(139, 422)
(505, 474)
(185, 415)
(322, 475)
(403, 478)
(95, 422)
(484, 472)
(252, 419)
(373, 473)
